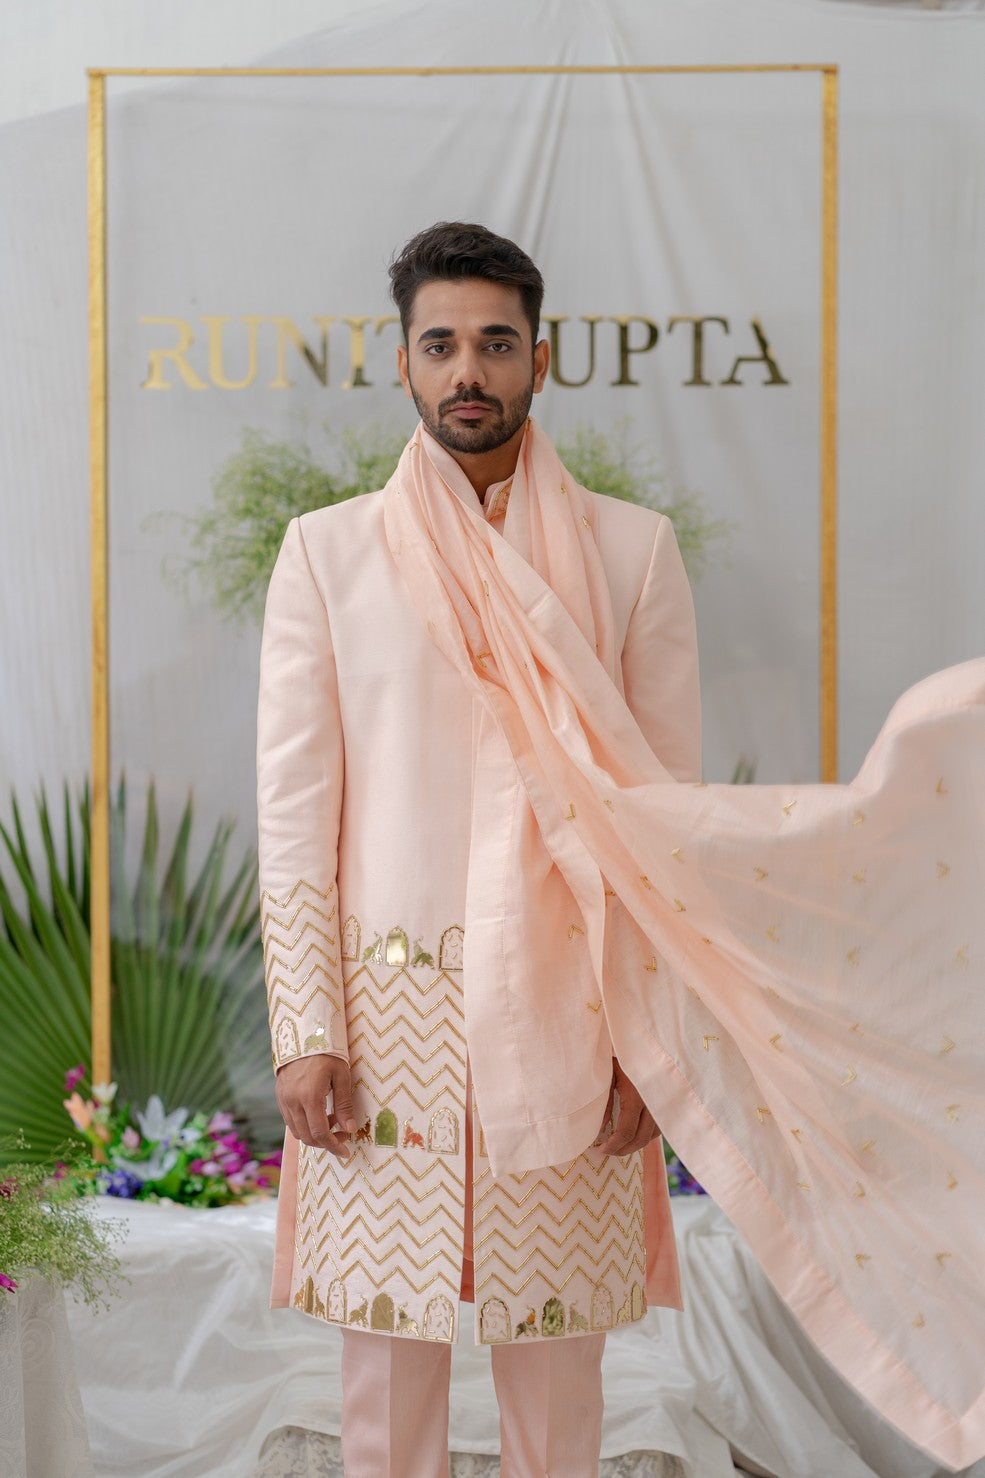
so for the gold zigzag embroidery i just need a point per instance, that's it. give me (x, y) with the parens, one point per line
(516, 1290)
(369, 1075)
(543, 1187)
(287, 962)
(345, 1236)
(294, 986)
(384, 1004)
(538, 1253)
(298, 1008)
(385, 987)
(433, 1165)
(626, 1210)
(630, 1233)
(375, 1035)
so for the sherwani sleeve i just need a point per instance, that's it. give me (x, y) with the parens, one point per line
(299, 800)
(660, 660)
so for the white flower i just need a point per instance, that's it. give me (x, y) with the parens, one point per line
(156, 1168)
(157, 1126)
(104, 1093)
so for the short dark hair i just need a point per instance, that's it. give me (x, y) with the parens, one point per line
(453, 250)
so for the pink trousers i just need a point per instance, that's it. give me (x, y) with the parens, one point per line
(395, 1406)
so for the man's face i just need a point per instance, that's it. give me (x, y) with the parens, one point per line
(469, 363)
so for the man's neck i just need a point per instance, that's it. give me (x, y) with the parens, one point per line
(484, 469)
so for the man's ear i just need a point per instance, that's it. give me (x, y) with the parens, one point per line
(402, 370)
(542, 363)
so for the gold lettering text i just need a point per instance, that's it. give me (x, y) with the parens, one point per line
(289, 333)
(697, 343)
(217, 371)
(155, 371)
(763, 357)
(554, 334)
(626, 348)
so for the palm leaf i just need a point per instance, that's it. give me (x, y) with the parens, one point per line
(188, 1010)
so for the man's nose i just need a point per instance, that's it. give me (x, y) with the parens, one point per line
(468, 368)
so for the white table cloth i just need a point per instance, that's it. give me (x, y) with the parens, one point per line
(190, 1375)
(42, 1427)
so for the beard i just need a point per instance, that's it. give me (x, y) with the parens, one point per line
(484, 437)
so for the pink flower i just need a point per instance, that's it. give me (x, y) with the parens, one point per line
(80, 1112)
(8, 1189)
(219, 1124)
(74, 1077)
(130, 1139)
(262, 1181)
(274, 1159)
(7, 1283)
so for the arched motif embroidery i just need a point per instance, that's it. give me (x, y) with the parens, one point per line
(601, 1307)
(336, 1301)
(552, 1318)
(381, 1317)
(452, 947)
(638, 1302)
(386, 1128)
(286, 1040)
(439, 1318)
(351, 938)
(494, 1323)
(443, 1132)
(396, 947)
(316, 1041)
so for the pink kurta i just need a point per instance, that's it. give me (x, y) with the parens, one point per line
(791, 975)
(366, 751)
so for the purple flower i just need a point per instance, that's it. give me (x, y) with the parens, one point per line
(219, 1124)
(74, 1077)
(7, 1283)
(119, 1183)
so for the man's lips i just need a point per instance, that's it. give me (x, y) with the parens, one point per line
(469, 412)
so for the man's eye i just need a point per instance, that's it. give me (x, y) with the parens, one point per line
(499, 346)
(435, 350)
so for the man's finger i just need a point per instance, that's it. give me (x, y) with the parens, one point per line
(342, 1109)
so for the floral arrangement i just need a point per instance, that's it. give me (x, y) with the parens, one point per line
(46, 1231)
(680, 1181)
(153, 1155)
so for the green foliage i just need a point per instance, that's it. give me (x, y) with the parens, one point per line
(265, 484)
(610, 465)
(258, 491)
(188, 1006)
(47, 1231)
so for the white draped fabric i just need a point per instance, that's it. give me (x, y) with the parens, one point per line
(42, 1425)
(212, 1375)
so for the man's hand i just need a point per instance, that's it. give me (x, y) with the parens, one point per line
(634, 1126)
(302, 1088)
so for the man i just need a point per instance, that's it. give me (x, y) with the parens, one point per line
(458, 1126)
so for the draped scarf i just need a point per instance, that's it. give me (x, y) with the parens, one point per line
(791, 975)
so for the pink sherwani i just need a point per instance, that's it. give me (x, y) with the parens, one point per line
(366, 742)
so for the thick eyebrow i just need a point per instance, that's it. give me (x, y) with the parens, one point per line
(491, 331)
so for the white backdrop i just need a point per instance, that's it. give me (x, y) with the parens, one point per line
(660, 197)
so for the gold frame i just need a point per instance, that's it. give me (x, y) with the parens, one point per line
(99, 424)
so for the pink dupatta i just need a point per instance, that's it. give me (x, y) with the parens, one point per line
(791, 975)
